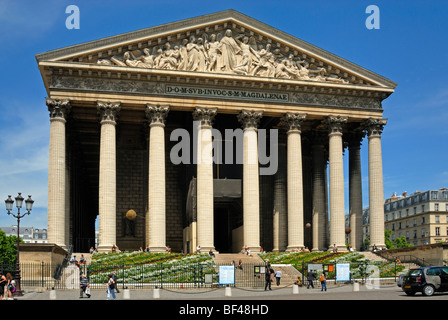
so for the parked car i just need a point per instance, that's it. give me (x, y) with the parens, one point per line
(400, 280)
(427, 280)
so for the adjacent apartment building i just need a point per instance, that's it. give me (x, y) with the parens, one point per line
(422, 217)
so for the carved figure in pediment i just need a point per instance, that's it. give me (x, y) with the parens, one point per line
(170, 58)
(283, 71)
(183, 55)
(213, 47)
(248, 49)
(197, 56)
(147, 60)
(158, 58)
(230, 49)
(264, 66)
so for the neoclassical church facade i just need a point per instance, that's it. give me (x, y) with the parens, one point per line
(217, 131)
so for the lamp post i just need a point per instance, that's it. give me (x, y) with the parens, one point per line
(28, 205)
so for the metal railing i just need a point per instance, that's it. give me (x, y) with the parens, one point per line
(139, 276)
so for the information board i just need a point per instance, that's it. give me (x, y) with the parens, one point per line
(342, 272)
(226, 275)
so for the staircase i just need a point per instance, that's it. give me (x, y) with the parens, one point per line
(246, 276)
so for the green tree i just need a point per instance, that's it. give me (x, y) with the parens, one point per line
(402, 243)
(389, 243)
(8, 251)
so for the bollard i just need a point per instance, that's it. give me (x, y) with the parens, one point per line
(126, 294)
(156, 293)
(295, 289)
(356, 286)
(52, 294)
(228, 292)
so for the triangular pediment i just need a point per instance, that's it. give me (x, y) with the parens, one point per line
(223, 43)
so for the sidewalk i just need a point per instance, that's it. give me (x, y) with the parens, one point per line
(280, 293)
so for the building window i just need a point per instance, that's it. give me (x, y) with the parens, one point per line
(423, 220)
(415, 221)
(436, 207)
(399, 225)
(423, 208)
(423, 233)
(415, 210)
(407, 212)
(437, 219)
(415, 234)
(407, 224)
(437, 231)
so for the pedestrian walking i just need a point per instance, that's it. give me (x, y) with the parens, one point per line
(110, 288)
(310, 277)
(3, 282)
(278, 276)
(84, 287)
(114, 276)
(267, 276)
(323, 282)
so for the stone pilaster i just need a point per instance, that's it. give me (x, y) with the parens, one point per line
(320, 218)
(57, 167)
(251, 192)
(156, 215)
(293, 123)
(355, 188)
(336, 172)
(374, 128)
(205, 200)
(107, 175)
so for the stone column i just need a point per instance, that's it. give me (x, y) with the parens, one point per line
(107, 175)
(337, 206)
(320, 218)
(374, 129)
(280, 219)
(251, 192)
(293, 123)
(355, 189)
(205, 196)
(57, 179)
(156, 215)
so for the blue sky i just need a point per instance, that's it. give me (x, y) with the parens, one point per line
(410, 48)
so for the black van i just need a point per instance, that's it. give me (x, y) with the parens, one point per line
(425, 280)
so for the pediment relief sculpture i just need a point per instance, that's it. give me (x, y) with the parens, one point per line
(224, 52)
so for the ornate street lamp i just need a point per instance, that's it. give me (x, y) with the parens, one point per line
(28, 206)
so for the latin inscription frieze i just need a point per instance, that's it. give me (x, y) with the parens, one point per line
(126, 86)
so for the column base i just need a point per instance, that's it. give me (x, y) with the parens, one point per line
(105, 248)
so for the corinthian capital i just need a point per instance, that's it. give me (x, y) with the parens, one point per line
(205, 116)
(59, 108)
(108, 110)
(374, 127)
(156, 114)
(249, 119)
(293, 121)
(335, 124)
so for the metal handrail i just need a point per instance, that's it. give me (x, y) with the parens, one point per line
(58, 271)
